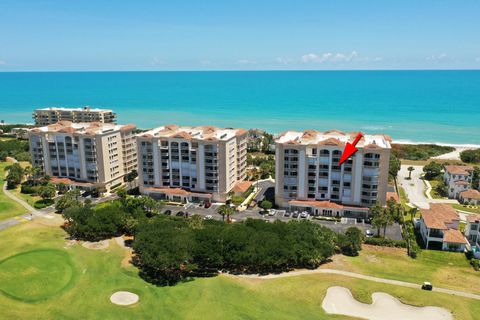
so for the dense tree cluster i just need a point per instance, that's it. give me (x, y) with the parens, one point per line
(169, 250)
(470, 156)
(419, 151)
(86, 222)
(433, 170)
(14, 148)
(15, 175)
(394, 166)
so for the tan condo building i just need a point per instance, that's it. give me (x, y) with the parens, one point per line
(46, 116)
(85, 155)
(308, 175)
(191, 164)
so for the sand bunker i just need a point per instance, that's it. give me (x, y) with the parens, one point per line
(339, 300)
(124, 298)
(96, 245)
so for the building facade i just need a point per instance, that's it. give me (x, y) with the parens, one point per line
(308, 175)
(472, 232)
(86, 155)
(46, 116)
(191, 163)
(457, 179)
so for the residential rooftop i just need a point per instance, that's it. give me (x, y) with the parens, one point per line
(462, 170)
(471, 194)
(85, 108)
(334, 138)
(88, 128)
(207, 133)
(439, 215)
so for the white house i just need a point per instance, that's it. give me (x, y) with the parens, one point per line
(439, 228)
(457, 179)
(470, 196)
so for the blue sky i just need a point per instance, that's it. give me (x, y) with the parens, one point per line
(239, 35)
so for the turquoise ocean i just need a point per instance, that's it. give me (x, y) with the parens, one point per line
(415, 106)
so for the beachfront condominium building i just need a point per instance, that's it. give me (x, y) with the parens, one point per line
(46, 116)
(308, 175)
(191, 164)
(86, 155)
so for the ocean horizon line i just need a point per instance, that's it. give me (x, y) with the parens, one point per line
(237, 70)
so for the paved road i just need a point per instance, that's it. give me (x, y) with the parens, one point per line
(414, 188)
(361, 276)
(393, 232)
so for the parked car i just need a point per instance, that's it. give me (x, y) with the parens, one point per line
(208, 217)
(208, 205)
(167, 212)
(427, 286)
(295, 214)
(286, 214)
(369, 233)
(271, 212)
(304, 215)
(180, 214)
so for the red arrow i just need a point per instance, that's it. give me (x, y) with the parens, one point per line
(350, 148)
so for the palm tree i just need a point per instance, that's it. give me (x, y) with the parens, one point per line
(410, 169)
(225, 210)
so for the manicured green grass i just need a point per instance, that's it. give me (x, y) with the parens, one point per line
(472, 209)
(444, 269)
(35, 275)
(8, 207)
(98, 273)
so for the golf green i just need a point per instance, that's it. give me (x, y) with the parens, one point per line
(36, 275)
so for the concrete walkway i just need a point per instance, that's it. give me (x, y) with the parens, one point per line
(360, 276)
(32, 213)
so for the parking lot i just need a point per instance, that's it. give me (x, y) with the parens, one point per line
(393, 232)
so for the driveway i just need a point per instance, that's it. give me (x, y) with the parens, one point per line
(414, 188)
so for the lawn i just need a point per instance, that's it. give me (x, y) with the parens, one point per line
(444, 269)
(472, 209)
(82, 284)
(8, 207)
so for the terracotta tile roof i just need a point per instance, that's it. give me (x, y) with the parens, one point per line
(241, 132)
(67, 181)
(470, 194)
(242, 186)
(393, 195)
(315, 203)
(439, 215)
(473, 218)
(453, 169)
(331, 142)
(461, 183)
(454, 236)
(178, 192)
(128, 127)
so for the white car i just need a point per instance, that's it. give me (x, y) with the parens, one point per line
(304, 215)
(271, 212)
(369, 233)
(208, 217)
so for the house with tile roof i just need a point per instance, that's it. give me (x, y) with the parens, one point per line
(470, 196)
(458, 179)
(439, 228)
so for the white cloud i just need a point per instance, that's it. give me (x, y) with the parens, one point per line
(246, 62)
(330, 57)
(437, 57)
(156, 61)
(284, 60)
